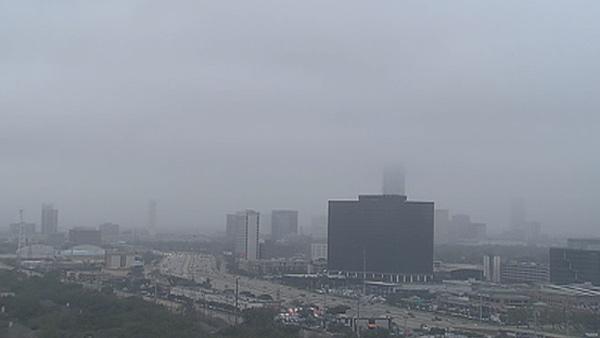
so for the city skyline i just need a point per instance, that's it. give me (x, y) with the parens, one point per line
(252, 169)
(149, 220)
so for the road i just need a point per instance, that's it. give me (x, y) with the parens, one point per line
(198, 267)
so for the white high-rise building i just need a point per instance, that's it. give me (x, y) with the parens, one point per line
(247, 232)
(491, 268)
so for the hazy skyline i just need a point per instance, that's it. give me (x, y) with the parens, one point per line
(213, 107)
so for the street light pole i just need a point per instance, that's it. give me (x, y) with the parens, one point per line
(237, 284)
(357, 315)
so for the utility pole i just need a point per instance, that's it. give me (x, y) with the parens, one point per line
(480, 307)
(325, 308)
(237, 285)
(364, 272)
(535, 322)
(155, 291)
(364, 291)
(20, 238)
(356, 326)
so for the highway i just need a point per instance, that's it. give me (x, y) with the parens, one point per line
(198, 267)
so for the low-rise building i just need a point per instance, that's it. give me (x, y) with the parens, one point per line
(444, 271)
(570, 266)
(524, 272)
(274, 266)
(84, 253)
(573, 296)
(83, 236)
(36, 252)
(120, 260)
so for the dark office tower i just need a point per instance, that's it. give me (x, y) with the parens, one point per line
(569, 265)
(393, 180)
(152, 217)
(49, 219)
(390, 236)
(284, 223)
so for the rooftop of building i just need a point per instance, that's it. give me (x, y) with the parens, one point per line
(576, 290)
(380, 197)
(83, 250)
(448, 267)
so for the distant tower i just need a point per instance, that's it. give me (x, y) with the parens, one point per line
(152, 217)
(518, 215)
(49, 219)
(393, 180)
(441, 226)
(284, 223)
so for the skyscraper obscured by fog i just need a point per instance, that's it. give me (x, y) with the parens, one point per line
(521, 228)
(441, 226)
(457, 229)
(49, 219)
(284, 223)
(390, 236)
(246, 224)
(394, 180)
(518, 215)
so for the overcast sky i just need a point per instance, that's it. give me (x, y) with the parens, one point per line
(214, 106)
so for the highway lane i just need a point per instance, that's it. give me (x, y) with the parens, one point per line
(200, 266)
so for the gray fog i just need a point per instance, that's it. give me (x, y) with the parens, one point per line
(214, 106)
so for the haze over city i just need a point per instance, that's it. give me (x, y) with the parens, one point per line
(212, 107)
